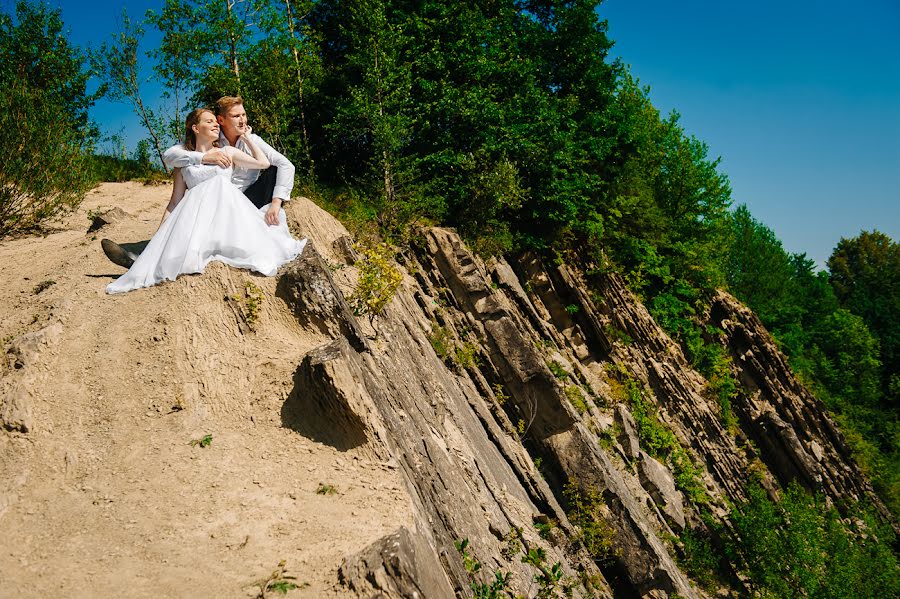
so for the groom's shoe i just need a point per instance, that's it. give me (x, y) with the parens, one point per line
(117, 254)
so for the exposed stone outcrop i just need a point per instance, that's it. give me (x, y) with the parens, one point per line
(22, 376)
(795, 435)
(469, 477)
(399, 566)
(658, 481)
(628, 436)
(554, 427)
(306, 284)
(107, 217)
(482, 370)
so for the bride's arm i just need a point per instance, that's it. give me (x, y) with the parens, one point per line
(257, 161)
(178, 190)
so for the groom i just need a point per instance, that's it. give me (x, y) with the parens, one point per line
(270, 187)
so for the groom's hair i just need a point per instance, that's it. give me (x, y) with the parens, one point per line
(224, 104)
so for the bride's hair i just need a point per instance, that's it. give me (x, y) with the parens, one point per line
(190, 138)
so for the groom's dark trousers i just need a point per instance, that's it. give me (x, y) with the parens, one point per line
(260, 193)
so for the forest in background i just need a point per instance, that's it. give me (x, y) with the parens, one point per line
(504, 119)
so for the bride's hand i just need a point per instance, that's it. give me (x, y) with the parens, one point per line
(217, 156)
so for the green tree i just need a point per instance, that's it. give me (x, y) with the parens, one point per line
(43, 113)
(35, 51)
(865, 274)
(758, 270)
(368, 80)
(799, 547)
(175, 58)
(117, 64)
(286, 26)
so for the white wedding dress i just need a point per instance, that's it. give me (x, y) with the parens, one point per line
(214, 221)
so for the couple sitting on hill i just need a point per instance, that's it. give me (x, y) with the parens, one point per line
(225, 204)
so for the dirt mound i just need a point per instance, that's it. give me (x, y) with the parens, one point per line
(112, 491)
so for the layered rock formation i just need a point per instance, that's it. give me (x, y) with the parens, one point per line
(481, 371)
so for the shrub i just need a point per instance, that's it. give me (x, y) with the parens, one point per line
(576, 398)
(585, 511)
(378, 280)
(700, 560)
(557, 369)
(441, 340)
(661, 443)
(466, 355)
(800, 547)
(43, 175)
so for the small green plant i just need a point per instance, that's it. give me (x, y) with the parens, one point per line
(250, 303)
(557, 369)
(547, 577)
(520, 427)
(499, 586)
(572, 309)
(499, 394)
(586, 512)
(466, 355)
(469, 563)
(278, 581)
(546, 344)
(512, 543)
(95, 212)
(204, 441)
(43, 286)
(576, 398)
(378, 280)
(607, 436)
(441, 340)
(615, 334)
(544, 526)
(326, 489)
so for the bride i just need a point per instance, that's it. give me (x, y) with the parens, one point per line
(213, 221)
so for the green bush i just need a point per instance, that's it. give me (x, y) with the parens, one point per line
(800, 547)
(576, 398)
(661, 443)
(378, 280)
(586, 512)
(44, 174)
(700, 560)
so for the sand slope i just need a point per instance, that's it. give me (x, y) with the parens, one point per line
(105, 497)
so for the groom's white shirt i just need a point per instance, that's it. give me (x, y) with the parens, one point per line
(178, 157)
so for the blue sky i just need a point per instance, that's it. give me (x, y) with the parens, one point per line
(801, 99)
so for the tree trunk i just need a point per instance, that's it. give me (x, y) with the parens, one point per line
(299, 72)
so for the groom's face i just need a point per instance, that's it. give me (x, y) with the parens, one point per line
(234, 121)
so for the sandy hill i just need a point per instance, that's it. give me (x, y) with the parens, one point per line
(105, 496)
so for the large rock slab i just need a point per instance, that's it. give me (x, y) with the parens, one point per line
(307, 286)
(400, 565)
(658, 481)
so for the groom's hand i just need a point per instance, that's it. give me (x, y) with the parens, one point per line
(272, 212)
(217, 156)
